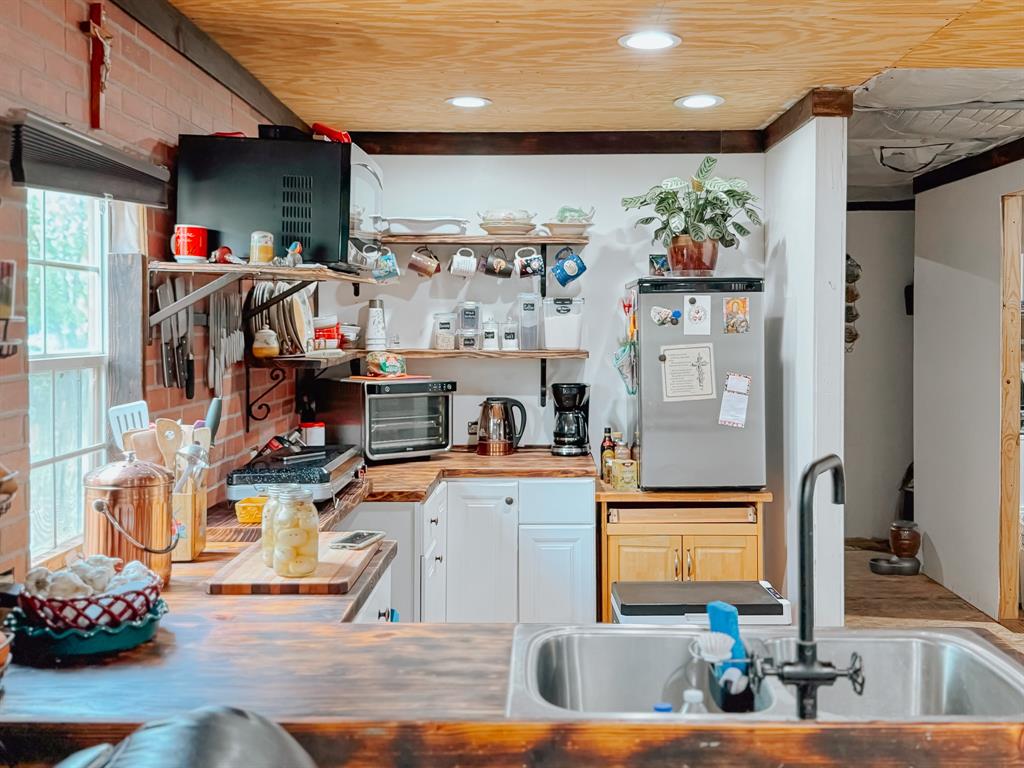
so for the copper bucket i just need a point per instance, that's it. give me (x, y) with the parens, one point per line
(128, 513)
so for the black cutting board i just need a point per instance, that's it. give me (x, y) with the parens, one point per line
(675, 598)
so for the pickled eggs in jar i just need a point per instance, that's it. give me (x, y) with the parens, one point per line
(296, 535)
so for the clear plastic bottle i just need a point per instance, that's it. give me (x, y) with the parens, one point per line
(296, 533)
(693, 702)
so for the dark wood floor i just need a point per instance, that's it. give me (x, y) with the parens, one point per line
(906, 601)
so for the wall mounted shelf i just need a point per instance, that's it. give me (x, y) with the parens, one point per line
(482, 240)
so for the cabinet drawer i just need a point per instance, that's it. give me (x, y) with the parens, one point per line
(744, 514)
(568, 501)
(377, 607)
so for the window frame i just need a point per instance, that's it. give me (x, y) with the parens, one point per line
(96, 360)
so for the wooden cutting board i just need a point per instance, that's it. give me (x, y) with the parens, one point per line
(335, 574)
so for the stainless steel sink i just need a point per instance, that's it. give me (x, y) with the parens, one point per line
(612, 671)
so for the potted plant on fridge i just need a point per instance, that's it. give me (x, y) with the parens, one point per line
(695, 215)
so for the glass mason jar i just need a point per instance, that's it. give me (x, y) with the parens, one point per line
(296, 533)
(267, 526)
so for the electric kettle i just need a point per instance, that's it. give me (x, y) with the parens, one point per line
(497, 431)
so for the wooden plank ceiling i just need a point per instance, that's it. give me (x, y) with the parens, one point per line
(388, 65)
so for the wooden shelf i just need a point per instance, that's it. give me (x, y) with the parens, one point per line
(305, 363)
(481, 354)
(255, 271)
(483, 240)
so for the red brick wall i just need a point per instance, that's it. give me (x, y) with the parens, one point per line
(153, 95)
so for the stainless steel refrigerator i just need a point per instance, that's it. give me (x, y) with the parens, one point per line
(699, 404)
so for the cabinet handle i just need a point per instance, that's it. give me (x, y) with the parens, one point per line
(675, 565)
(509, 500)
(433, 521)
(439, 558)
(689, 566)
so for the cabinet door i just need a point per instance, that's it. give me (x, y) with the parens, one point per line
(377, 607)
(556, 573)
(483, 532)
(644, 558)
(720, 558)
(432, 584)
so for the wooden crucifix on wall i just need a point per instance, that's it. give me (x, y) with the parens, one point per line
(99, 61)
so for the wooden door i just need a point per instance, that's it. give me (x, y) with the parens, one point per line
(720, 558)
(482, 563)
(644, 558)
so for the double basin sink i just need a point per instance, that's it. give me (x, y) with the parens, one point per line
(621, 672)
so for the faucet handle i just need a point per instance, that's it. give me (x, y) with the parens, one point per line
(855, 673)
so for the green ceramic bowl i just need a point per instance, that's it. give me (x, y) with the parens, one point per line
(33, 643)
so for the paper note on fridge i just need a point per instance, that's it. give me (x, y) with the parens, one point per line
(733, 412)
(688, 372)
(697, 316)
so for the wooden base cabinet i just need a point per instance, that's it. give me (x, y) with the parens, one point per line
(679, 536)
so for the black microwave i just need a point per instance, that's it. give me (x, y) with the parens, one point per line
(323, 194)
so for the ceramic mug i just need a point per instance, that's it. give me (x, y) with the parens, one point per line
(569, 267)
(365, 258)
(189, 240)
(463, 263)
(529, 263)
(497, 264)
(386, 268)
(423, 262)
(261, 247)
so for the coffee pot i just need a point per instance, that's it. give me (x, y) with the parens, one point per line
(498, 434)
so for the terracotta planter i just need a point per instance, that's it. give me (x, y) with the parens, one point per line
(689, 258)
(904, 538)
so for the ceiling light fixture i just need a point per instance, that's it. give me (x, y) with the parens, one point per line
(650, 40)
(469, 102)
(699, 101)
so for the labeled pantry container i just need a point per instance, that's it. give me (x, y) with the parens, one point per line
(563, 323)
(528, 309)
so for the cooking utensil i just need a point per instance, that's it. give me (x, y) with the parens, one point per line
(146, 447)
(182, 331)
(190, 360)
(126, 417)
(168, 439)
(498, 434)
(213, 418)
(190, 460)
(164, 298)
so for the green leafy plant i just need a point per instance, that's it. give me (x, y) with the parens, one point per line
(704, 207)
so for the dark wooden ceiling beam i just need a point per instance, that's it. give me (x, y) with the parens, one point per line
(178, 31)
(818, 102)
(1004, 154)
(558, 142)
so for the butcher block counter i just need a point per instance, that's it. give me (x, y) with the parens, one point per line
(414, 480)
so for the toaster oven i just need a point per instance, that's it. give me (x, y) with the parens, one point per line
(388, 419)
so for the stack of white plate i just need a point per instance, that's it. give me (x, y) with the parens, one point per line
(291, 318)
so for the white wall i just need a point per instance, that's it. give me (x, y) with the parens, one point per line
(805, 244)
(957, 270)
(879, 440)
(460, 186)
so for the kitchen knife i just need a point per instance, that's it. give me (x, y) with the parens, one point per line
(166, 294)
(166, 340)
(182, 331)
(190, 361)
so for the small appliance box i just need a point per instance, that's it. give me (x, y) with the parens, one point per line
(388, 419)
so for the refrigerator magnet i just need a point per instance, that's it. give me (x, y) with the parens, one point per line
(687, 372)
(736, 312)
(697, 316)
(733, 412)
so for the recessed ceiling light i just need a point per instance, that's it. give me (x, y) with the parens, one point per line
(649, 40)
(699, 101)
(469, 102)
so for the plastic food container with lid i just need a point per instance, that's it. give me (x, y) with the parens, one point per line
(563, 323)
(528, 308)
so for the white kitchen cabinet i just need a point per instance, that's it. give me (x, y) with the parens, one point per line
(482, 557)
(433, 584)
(398, 521)
(557, 577)
(378, 605)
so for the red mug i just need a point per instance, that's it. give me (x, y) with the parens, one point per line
(189, 240)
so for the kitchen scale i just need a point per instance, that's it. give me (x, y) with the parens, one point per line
(686, 602)
(324, 470)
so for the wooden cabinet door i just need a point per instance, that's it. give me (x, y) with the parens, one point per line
(644, 558)
(720, 558)
(482, 559)
(556, 573)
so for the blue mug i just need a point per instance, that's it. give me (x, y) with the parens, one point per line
(569, 267)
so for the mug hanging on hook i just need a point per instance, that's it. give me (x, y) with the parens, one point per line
(463, 263)
(568, 267)
(424, 263)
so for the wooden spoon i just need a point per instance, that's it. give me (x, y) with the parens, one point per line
(168, 438)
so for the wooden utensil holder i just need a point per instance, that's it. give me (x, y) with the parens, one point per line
(189, 510)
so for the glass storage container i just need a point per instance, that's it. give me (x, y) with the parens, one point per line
(266, 525)
(528, 309)
(296, 533)
(563, 323)
(469, 316)
(510, 336)
(468, 339)
(489, 335)
(444, 330)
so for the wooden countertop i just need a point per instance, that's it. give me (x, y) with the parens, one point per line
(414, 480)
